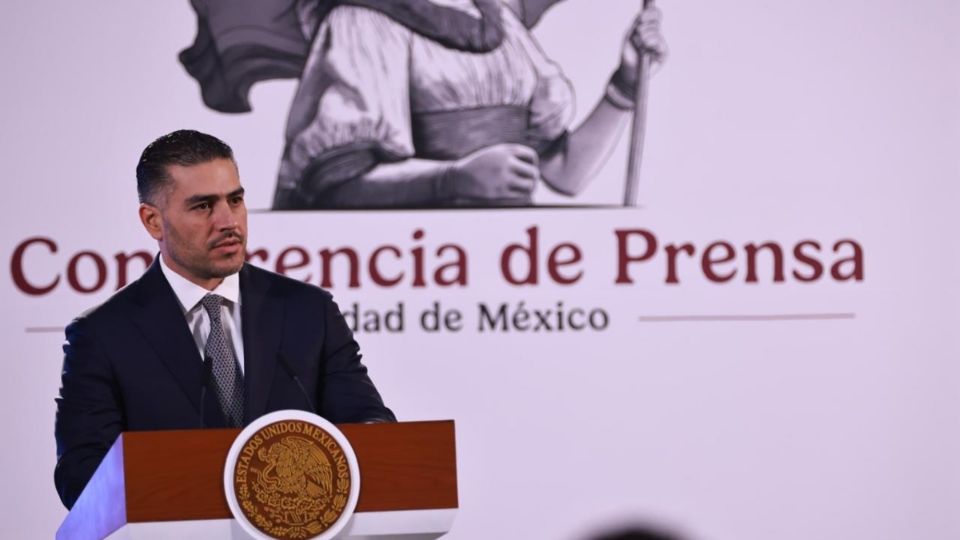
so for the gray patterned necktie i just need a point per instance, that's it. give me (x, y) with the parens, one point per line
(226, 372)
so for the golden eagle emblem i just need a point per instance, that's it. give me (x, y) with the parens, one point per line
(292, 480)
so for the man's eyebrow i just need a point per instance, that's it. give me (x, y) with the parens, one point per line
(194, 199)
(210, 198)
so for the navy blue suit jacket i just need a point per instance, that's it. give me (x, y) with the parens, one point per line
(131, 364)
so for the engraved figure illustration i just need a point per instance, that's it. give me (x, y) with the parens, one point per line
(297, 481)
(420, 103)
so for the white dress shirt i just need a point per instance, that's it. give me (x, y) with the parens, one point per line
(189, 295)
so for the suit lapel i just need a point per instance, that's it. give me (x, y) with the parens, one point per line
(262, 320)
(164, 327)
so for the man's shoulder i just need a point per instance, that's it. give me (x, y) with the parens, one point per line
(115, 309)
(121, 300)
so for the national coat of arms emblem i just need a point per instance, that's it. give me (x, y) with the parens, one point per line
(291, 477)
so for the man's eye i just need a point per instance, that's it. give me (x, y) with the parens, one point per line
(237, 200)
(202, 206)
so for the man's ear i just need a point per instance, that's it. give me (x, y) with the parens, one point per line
(152, 221)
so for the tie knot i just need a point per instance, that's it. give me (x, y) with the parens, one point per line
(212, 303)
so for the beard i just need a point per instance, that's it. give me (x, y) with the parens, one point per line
(203, 260)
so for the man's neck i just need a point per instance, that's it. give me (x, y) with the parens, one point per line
(171, 265)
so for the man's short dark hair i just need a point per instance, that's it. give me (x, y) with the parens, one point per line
(184, 147)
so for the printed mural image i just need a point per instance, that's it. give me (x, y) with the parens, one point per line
(417, 103)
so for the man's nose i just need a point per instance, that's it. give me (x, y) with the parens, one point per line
(224, 217)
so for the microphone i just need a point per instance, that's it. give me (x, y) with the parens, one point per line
(207, 369)
(293, 375)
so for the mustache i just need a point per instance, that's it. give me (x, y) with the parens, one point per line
(224, 238)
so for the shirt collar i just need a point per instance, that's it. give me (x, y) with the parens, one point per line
(189, 293)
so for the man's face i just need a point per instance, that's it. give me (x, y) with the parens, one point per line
(200, 221)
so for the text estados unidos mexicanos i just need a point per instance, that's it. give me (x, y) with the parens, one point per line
(40, 266)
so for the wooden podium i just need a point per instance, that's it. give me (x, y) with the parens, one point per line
(169, 484)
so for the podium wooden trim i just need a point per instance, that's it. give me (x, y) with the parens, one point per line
(177, 476)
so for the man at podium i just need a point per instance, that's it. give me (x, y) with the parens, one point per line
(202, 339)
